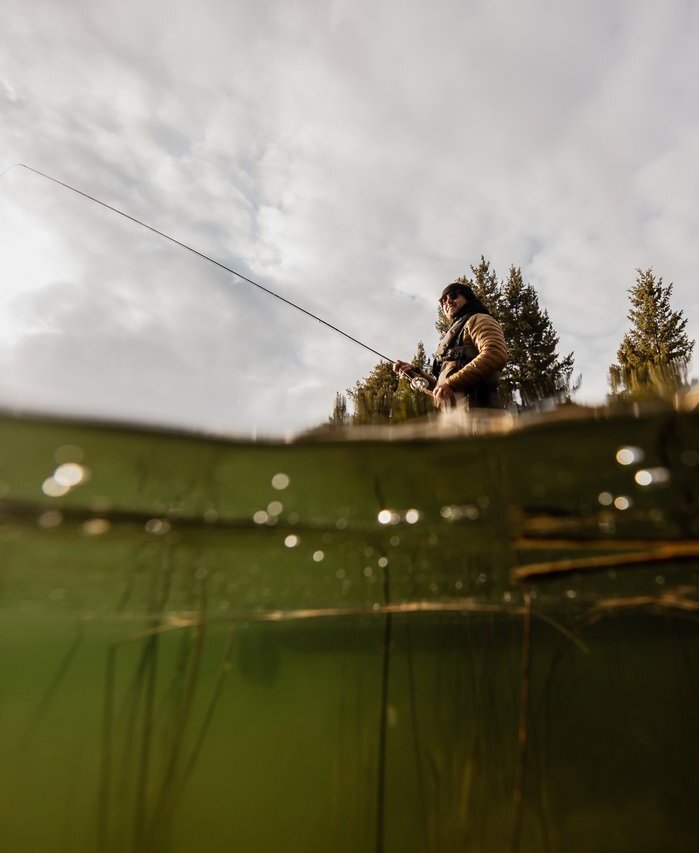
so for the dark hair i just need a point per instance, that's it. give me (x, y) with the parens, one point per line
(459, 287)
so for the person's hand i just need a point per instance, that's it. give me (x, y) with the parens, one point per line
(443, 396)
(402, 367)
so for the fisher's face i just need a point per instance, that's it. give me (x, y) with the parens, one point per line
(452, 303)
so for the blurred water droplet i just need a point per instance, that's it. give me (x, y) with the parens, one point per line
(52, 489)
(70, 474)
(318, 556)
(629, 455)
(605, 498)
(157, 526)
(388, 516)
(280, 481)
(275, 508)
(291, 540)
(50, 518)
(95, 526)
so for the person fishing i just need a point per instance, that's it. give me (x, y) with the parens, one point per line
(468, 358)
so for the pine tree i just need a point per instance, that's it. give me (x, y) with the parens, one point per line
(655, 353)
(534, 371)
(409, 402)
(385, 397)
(372, 397)
(487, 287)
(340, 416)
(442, 322)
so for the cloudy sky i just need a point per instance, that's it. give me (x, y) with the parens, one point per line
(352, 156)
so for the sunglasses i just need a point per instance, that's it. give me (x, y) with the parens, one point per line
(452, 296)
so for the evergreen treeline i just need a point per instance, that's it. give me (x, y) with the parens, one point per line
(653, 355)
(384, 397)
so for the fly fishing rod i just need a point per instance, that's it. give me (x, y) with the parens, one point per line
(418, 382)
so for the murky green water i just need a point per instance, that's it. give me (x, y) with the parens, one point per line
(350, 646)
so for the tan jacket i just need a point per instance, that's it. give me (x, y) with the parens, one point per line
(485, 334)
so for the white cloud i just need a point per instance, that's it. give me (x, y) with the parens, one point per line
(351, 156)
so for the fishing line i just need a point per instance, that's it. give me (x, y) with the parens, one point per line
(201, 255)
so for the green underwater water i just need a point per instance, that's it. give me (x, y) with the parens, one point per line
(195, 659)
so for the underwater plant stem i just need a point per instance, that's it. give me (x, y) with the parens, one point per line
(518, 792)
(383, 719)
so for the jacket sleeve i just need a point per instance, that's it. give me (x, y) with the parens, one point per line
(486, 334)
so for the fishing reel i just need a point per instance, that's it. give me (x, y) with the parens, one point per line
(419, 383)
